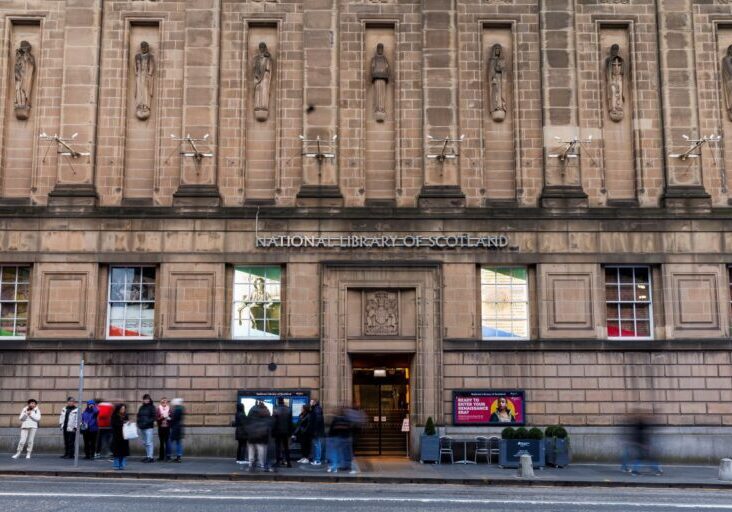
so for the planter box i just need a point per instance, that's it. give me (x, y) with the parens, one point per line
(557, 452)
(510, 451)
(429, 448)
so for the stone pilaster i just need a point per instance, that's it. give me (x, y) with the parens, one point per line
(562, 178)
(198, 184)
(75, 176)
(320, 184)
(684, 187)
(439, 85)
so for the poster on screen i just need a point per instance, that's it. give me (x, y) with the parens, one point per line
(488, 407)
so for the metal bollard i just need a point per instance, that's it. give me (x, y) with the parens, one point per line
(526, 467)
(725, 470)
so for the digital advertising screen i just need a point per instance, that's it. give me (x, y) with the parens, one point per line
(294, 399)
(488, 407)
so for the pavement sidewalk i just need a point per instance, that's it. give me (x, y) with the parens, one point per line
(370, 470)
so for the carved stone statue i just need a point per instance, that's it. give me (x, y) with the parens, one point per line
(614, 76)
(25, 67)
(380, 77)
(144, 81)
(262, 82)
(496, 79)
(727, 81)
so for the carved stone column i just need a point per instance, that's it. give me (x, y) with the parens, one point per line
(684, 187)
(198, 183)
(320, 185)
(439, 81)
(75, 176)
(562, 178)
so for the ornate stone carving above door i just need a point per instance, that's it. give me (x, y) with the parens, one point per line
(381, 313)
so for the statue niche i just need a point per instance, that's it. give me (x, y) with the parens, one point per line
(496, 79)
(25, 67)
(262, 82)
(144, 81)
(380, 78)
(614, 76)
(727, 81)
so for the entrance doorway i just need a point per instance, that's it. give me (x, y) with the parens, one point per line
(382, 392)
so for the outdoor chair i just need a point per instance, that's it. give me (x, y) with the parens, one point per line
(446, 449)
(494, 447)
(482, 447)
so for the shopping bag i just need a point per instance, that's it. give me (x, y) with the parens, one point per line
(129, 430)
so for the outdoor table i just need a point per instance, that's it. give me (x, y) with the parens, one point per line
(465, 441)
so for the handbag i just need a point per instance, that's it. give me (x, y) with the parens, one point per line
(129, 430)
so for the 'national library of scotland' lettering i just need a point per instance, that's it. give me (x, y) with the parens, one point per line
(385, 203)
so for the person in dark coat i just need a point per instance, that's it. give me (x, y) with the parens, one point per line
(259, 428)
(281, 430)
(146, 423)
(240, 434)
(303, 434)
(176, 428)
(338, 437)
(90, 428)
(318, 431)
(120, 445)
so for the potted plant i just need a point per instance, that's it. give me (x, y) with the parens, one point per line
(516, 442)
(557, 446)
(429, 443)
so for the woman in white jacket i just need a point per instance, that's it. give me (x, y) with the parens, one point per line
(30, 417)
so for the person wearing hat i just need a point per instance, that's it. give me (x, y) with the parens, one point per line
(67, 422)
(30, 417)
(90, 428)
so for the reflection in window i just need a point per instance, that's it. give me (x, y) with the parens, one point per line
(628, 301)
(14, 296)
(256, 303)
(505, 303)
(131, 302)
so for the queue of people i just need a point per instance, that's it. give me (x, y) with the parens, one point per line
(106, 431)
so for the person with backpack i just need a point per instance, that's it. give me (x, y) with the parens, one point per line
(90, 428)
(258, 428)
(30, 418)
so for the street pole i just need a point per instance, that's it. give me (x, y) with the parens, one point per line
(78, 412)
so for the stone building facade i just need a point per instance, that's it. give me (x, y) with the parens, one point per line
(498, 198)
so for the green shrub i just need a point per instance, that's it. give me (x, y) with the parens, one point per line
(536, 433)
(550, 431)
(521, 433)
(560, 433)
(429, 427)
(508, 433)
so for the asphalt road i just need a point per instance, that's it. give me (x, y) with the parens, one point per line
(41, 494)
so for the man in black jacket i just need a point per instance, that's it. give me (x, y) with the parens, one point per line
(146, 425)
(282, 429)
(258, 427)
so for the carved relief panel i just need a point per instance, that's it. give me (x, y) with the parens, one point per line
(381, 314)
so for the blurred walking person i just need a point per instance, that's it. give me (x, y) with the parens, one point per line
(146, 424)
(177, 428)
(638, 449)
(30, 417)
(90, 428)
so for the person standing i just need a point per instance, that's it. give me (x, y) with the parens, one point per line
(67, 422)
(240, 434)
(120, 445)
(303, 434)
(258, 427)
(146, 424)
(90, 428)
(338, 437)
(176, 428)
(104, 420)
(318, 429)
(29, 418)
(282, 428)
(163, 418)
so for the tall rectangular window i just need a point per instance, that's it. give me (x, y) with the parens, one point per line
(131, 309)
(14, 297)
(504, 295)
(257, 302)
(629, 302)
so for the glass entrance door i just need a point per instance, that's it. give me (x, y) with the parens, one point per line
(383, 395)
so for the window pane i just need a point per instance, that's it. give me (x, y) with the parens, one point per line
(7, 310)
(504, 302)
(24, 274)
(14, 293)
(7, 327)
(9, 274)
(613, 328)
(23, 292)
(644, 328)
(7, 291)
(21, 327)
(611, 292)
(627, 293)
(256, 302)
(21, 309)
(625, 275)
(629, 302)
(642, 293)
(612, 312)
(132, 306)
(611, 275)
